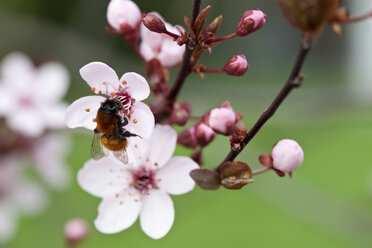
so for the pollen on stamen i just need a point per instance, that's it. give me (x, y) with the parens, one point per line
(116, 195)
(113, 93)
(87, 110)
(136, 200)
(124, 82)
(156, 164)
(100, 92)
(135, 121)
(158, 180)
(121, 203)
(93, 89)
(94, 120)
(131, 112)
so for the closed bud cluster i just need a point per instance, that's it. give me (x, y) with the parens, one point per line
(180, 113)
(237, 65)
(287, 155)
(124, 16)
(252, 21)
(238, 136)
(154, 23)
(75, 231)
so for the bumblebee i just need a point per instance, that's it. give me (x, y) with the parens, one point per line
(110, 133)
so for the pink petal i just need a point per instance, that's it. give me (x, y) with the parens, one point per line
(171, 53)
(162, 144)
(51, 82)
(123, 12)
(8, 223)
(100, 77)
(17, 70)
(157, 214)
(82, 112)
(104, 177)
(146, 51)
(174, 176)
(119, 212)
(142, 120)
(136, 85)
(27, 121)
(54, 115)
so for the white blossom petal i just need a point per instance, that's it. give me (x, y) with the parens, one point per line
(28, 196)
(136, 85)
(54, 115)
(146, 51)
(123, 12)
(104, 177)
(157, 214)
(8, 223)
(82, 112)
(17, 70)
(5, 101)
(118, 212)
(174, 176)
(27, 121)
(51, 82)
(171, 53)
(142, 120)
(101, 77)
(163, 143)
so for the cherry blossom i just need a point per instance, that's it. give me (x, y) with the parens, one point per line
(141, 188)
(18, 196)
(30, 97)
(161, 46)
(130, 90)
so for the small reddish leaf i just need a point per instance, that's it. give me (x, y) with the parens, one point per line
(266, 160)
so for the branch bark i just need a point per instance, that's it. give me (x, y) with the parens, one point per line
(293, 82)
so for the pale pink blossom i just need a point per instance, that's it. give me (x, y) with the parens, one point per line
(123, 15)
(161, 46)
(252, 20)
(18, 196)
(222, 120)
(237, 65)
(30, 97)
(130, 90)
(141, 188)
(287, 155)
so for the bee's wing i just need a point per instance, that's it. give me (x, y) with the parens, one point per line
(121, 156)
(95, 148)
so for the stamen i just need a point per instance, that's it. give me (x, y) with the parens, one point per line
(135, 121)
(93, 90)
(87, 110)
(124, 82)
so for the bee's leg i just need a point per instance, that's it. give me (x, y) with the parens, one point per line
(126, 121)
(128, 134)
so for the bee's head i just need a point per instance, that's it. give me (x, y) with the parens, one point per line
(111, 105)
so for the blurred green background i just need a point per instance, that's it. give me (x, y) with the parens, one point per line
(328, 203)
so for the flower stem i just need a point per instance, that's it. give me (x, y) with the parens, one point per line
(262, 170)
(294, 81)
(218, 39)
(213, 70)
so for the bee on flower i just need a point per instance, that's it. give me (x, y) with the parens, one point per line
(141, 188)
(116, 113)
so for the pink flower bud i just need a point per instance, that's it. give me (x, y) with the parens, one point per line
(75, 231)
(287, 155)
(187, 138)
(252, 20)
(204, 134)
(154, 23)
(181, 113)
(222, 120)
(123, 15)
(237, 65)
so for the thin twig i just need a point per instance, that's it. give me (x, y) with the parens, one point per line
(293, 82)
(356, 18)
(185, 69)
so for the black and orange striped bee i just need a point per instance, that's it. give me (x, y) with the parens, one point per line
(110, 133)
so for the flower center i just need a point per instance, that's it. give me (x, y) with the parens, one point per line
(143, 180)
(126, 101)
